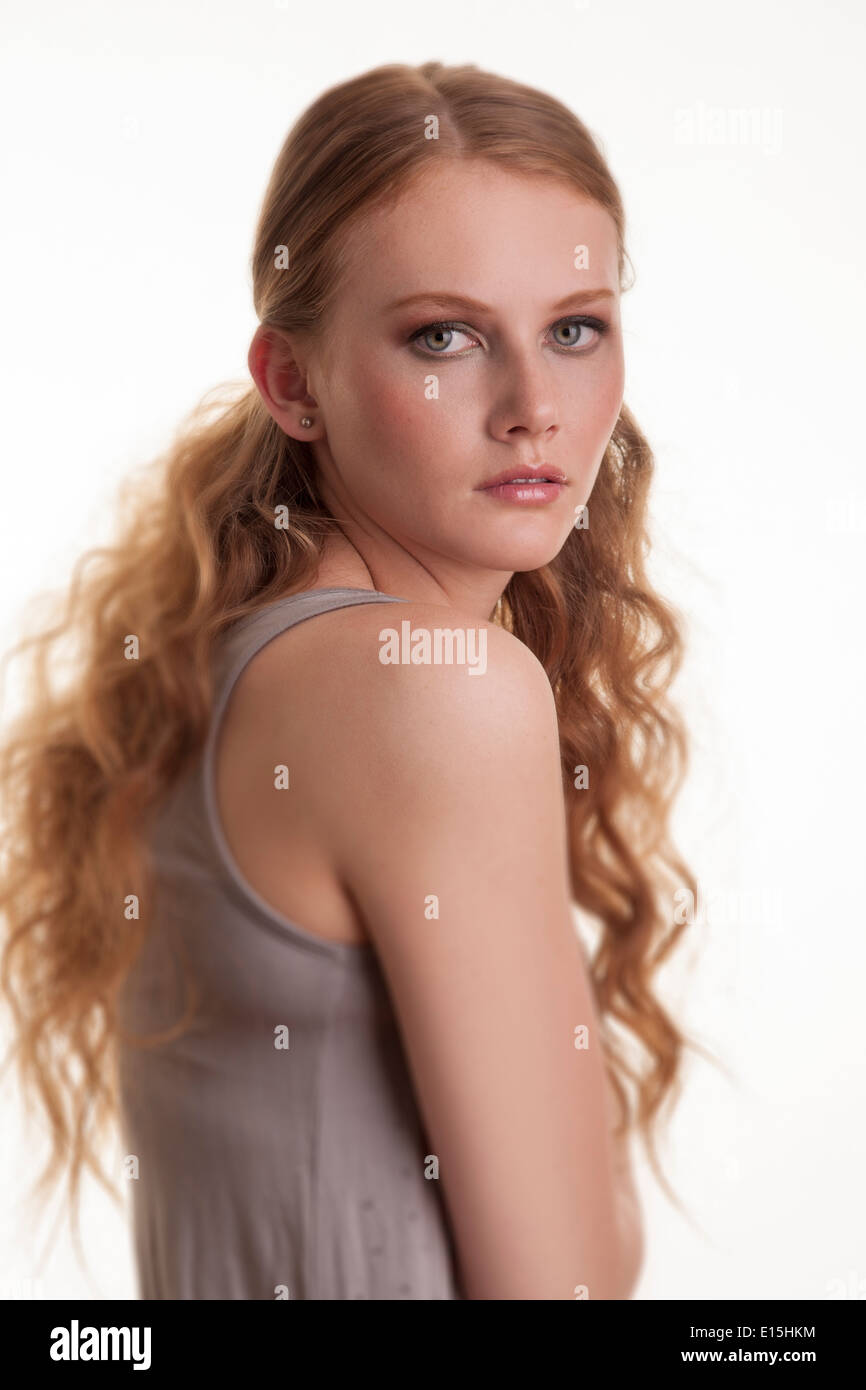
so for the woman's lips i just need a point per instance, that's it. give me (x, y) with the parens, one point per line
(524, 492)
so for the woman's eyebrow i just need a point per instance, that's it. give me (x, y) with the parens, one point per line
(443, 298)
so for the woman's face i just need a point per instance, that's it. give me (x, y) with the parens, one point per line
(415, 418)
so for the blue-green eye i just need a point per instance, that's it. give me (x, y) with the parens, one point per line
(598, 325)
(446, 329)
(438, 330)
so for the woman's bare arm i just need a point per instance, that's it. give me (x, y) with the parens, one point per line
(451, 838)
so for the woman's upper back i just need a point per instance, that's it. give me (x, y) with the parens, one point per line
(282, 713)
(308, 707)
(294, 730)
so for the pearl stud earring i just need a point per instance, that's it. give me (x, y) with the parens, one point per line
(306, 421)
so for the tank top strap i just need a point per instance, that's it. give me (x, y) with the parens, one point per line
(240, 642)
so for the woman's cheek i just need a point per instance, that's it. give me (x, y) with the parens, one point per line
(417, 415)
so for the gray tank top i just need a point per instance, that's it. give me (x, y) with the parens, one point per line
(275, 1149)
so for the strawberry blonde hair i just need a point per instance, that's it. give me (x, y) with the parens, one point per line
(201, 544)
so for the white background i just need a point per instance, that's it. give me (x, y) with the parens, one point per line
(137, 143)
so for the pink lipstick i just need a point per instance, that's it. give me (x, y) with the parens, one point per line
(524, 485)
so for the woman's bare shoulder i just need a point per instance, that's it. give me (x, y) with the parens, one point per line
(370, 660)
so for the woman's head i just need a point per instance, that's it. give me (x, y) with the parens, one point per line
(480, 190)
(409, 421)
(401, 181)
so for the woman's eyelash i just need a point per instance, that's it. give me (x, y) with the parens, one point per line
(584, 321)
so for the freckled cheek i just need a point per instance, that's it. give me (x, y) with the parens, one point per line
(400, 415)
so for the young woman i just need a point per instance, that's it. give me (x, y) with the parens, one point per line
(372, 693)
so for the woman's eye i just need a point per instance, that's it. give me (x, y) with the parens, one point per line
(437, 332)
(579, 327)
(436, 338)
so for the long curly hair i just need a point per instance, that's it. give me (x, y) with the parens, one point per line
(230, 519)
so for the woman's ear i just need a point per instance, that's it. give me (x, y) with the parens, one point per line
(281, 382)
